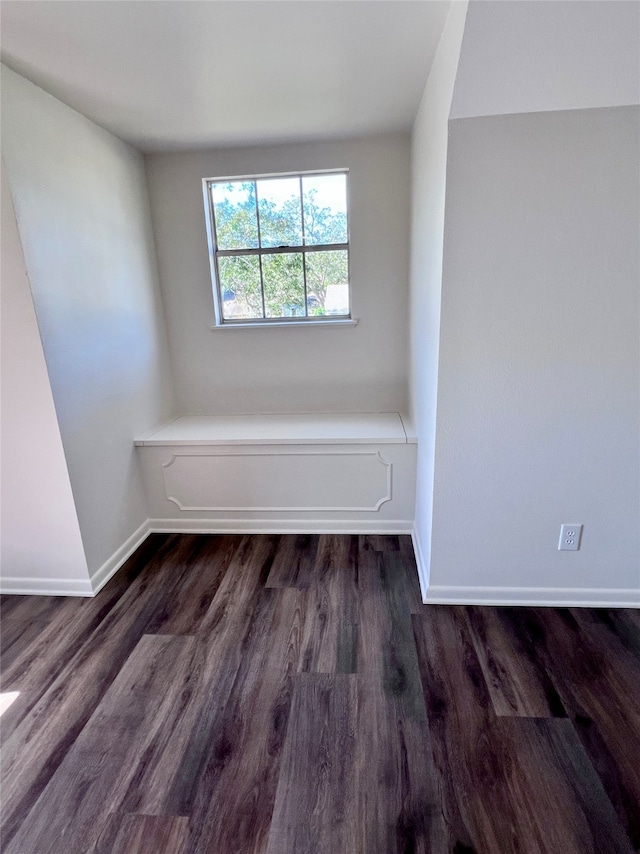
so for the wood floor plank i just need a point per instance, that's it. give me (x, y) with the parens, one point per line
(406, 572)
(406, 544)
(502, 779)
(202, 572)
(347, 647)
(541, 763)
(315, 807)
(294, 561)
(232, 812)
(37, 664)
(41, 740)
(387, 647)
(71, 622)
(398, 806)
(408, 561)
(18, 647)
(378, 543)
(331, 635)
(160, 768)
(458, 708)
(599, 682)
(23, 607)
(613, 627)
(143, 834)
(8, 601)
(310, 668)
(16, 617)
(337, 552)
(517, 679)
(245, 579)
(173, 773)
(555, 769)
(72, 809)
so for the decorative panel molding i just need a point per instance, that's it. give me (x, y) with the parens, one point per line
(304, 480)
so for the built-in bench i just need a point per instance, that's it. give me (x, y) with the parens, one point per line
(281, 473)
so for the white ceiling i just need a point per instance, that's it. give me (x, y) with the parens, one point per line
(170, 74)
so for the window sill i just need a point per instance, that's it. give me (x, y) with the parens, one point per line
(277, 325)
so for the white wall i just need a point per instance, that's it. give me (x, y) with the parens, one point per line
(82, 209)
(523, 57)
(538, 410)
(428, 183)
(40, 538)
(360, 368)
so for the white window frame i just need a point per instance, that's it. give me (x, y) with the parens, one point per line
(307, 320)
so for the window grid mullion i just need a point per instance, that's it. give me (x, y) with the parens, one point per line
(284, 250)
(304, 254)
(264, 309)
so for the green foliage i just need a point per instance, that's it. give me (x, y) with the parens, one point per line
(236, 222)
(240, 286)
(280, 225)
(325, 269)
(283, 285)
(322, 225)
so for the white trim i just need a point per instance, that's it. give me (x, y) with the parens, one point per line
(303, 248)
(306, 172)
(279, 429)
(78, 587)
(423, 566)
(410, 434)
(436, 595)
(276, 324)
(279, 526)
(562, 597)
(142, 440)
(113, 564)
(46, 586)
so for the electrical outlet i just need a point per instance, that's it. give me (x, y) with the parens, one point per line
(570, 538)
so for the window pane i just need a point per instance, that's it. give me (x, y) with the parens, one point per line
(240, 286)
(280, 212)
(325, 209)
(328, 282)
(234, 205)
(283, 285)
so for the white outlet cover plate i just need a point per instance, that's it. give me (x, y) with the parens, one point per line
(570, 536)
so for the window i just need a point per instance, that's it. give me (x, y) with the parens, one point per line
(279, 248)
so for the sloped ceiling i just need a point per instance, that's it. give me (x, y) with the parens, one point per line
(521, 57)
(169, 75)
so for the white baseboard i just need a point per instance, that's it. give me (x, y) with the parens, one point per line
(113, 564)
(423, 566)
(441, 595)
(560, 597)
(46, 586)
(82, 587)
(278, 526)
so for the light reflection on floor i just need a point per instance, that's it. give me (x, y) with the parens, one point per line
(6, 699)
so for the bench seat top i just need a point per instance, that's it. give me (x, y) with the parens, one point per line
(298, 429)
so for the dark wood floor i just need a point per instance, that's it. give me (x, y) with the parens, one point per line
(291, 694)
